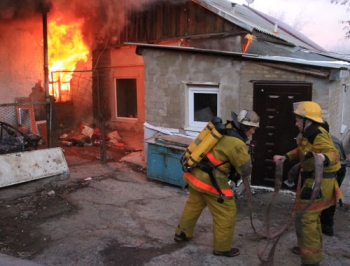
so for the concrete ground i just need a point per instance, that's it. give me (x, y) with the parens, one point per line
(145, 222)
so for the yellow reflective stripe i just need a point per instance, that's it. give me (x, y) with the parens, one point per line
(211, 158)
(335, 157)
(317, 206)
(310, 251)
(338, 193)
(206, 187)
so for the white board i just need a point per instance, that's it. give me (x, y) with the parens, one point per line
(26, 166)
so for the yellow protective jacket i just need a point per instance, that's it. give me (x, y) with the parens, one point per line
(229, 151)
(315, 139)
(318, 140)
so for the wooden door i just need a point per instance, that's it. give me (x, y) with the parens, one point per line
(274, 104)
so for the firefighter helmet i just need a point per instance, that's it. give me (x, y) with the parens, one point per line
(248, 118)
(309, 110)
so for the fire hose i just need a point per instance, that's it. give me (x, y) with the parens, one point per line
(275, 236)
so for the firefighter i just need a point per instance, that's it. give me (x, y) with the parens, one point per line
(327, 215)
(209, 187)
(313, 138)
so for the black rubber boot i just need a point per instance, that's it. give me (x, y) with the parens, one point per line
(231, 253)
(296, 250)
(182, 237)
(327, 230)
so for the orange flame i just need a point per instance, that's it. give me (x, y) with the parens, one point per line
(65, 49)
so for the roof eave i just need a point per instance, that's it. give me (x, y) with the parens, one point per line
(324, 64)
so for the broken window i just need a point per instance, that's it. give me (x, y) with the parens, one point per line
(60, 85)
(203, 105)
(126, 98)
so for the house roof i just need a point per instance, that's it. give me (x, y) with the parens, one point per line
(258, 22)
(253, 20)
(285, 45)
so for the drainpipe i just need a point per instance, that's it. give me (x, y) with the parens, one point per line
(45, 7)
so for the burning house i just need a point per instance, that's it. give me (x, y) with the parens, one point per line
(56, 50)
(27, 56)
(123, 63)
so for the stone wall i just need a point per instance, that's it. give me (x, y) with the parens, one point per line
(327, 93)
(167, 74)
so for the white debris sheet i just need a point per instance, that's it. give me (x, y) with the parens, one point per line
(26, 166)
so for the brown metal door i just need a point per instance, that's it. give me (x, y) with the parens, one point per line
(276, 135)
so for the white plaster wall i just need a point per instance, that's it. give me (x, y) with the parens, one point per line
(21, 58)
(335, 109)
(127, 64)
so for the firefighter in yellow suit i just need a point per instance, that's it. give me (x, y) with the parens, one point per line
(313, 138)
(230, 151)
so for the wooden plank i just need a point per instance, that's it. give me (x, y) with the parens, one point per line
(175, 140)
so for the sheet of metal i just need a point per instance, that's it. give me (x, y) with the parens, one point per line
(31, 165)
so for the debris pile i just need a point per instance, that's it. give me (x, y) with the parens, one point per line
(86, 135)
(16, 139)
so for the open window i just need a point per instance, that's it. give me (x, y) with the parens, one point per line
(126, 98)
(203, 103)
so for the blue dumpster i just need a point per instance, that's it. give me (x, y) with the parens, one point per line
(163, 159)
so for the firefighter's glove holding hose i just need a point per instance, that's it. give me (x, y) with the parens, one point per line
(322, 156)
(293, 174)
(279, 157)
(276, 158)
(310, 155)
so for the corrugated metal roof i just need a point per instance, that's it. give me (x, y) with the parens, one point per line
(335, 64)
(251, 19)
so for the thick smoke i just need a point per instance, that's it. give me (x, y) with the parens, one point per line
(103, 19)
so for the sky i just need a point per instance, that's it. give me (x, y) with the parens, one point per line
(319, 20)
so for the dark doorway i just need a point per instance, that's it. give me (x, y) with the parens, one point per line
(276, 135)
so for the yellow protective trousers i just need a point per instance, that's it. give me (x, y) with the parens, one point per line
(310, 239)
(224, 217)
(307, 222)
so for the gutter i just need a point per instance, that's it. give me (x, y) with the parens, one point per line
(341, 65)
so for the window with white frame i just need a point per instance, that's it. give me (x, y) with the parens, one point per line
(345, 109)
(203, 102)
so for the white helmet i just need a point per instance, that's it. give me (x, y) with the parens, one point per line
(248, 118)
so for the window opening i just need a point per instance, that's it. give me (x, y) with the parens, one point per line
(126, 98)
(203, 105)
